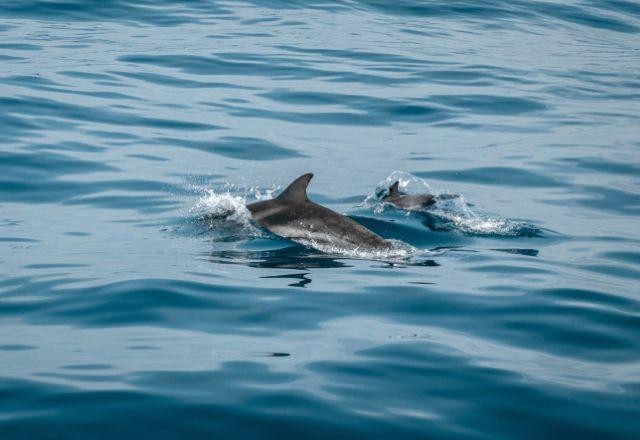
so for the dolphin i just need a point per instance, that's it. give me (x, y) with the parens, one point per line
(292, 215)
(408, 202)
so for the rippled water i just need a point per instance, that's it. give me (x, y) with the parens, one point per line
(128, 308)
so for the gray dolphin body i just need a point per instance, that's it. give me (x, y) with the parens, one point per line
(292, 215)
(408, 202)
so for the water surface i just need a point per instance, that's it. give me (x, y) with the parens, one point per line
(126, 311)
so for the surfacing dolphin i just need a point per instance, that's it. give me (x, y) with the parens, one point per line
(408, 202)
(292, 215)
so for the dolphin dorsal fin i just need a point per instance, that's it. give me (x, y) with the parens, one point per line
(393, 189)
(297, 190)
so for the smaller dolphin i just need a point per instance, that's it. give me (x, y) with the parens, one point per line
(408, 202)
(292, 215)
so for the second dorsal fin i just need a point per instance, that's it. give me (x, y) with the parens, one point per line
(297, 190)
(393, 189)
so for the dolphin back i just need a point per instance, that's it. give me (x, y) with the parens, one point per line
(292, 215)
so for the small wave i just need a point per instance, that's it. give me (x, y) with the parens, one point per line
(450, 212)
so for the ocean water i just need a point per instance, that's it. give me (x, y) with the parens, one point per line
(130, 308)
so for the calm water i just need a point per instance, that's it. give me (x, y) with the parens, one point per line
(127, 311)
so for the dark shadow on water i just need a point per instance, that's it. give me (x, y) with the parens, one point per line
(302, 277)
(407, 263)
(527, 252)
(292, 257)
(435, 223)
(402, 229)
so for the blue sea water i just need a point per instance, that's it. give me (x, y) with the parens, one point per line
(129, 310)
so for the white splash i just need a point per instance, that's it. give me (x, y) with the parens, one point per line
(224, 212)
